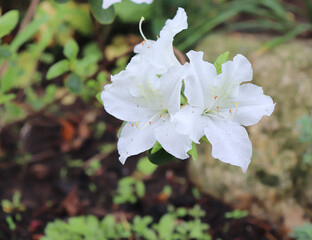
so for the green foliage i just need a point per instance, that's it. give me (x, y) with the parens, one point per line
(8, 22)
(171, 226)
(104, 16)
(193, 152)
(160, 157)
(132, 188)
(223, 58)
(57, 69)
(88, 227)
(71, 49)
(128, 11)
(236, 214)
(13, 209)
(303, 233)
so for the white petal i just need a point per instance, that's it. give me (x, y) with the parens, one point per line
(119, 100)
(171, 84)
(174, 143)
(142, 1)
(233, 74)
(230, 142)
(252, 105)
(133, 140)
(175, 25)
(189, 121)
(107, 3)
(199, 82)
(160, 53)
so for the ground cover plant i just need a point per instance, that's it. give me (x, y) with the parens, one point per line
(60, 177)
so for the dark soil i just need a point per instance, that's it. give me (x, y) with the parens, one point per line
(34, 153)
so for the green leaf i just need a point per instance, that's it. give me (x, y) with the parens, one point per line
(6, 98)
(160, 157)
(156, 147)
(104, 16)
(128, 11)
(74, 83)
(61, 1)
(71, 49)
(140, 189)
(58, 69)
(5, 52)
(98, 97)
(193, 152)
(224, 57)
(145, 166)
(8, 22)
(28, 32)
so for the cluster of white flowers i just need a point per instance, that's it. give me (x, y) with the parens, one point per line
(147, 95)
(107, 3)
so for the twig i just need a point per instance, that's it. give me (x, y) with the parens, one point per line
(29, 15)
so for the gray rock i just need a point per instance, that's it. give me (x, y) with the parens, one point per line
(276, 185)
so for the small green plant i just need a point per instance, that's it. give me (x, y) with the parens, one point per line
(303, 233)
(13, 209)
(132, 188)
(236, 214)
(171, 226)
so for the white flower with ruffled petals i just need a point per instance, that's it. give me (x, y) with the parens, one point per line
(146, 101)
(219, 104)
(107, 3)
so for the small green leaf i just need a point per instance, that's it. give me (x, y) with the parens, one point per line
(61, 1)
(140, 189)
(8, 22)
(145, 166)
(28, 32)
(224, 57)
(71, 49)
(160, 157)
(193, 152)
(104, 16)
(74, 83)
(5, 52)
(58, 69)
(98, 97)
(156, 147)
(6, 98)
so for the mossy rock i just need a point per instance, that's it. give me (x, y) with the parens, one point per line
(276, 185)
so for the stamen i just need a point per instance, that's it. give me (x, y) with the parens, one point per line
(140, 28)
(138, 105)
(230, 111)
(150, 122)
(157, 36)
(137, 124)
(132, 125)
(160, 115)
(218, 108)
(215, 97)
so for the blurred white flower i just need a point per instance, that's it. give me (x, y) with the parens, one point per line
(107, 3)
(219, 104)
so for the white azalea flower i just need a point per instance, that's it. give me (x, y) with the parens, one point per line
(159, 53)
(146, 101)
(107, 3)
(219, 105)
